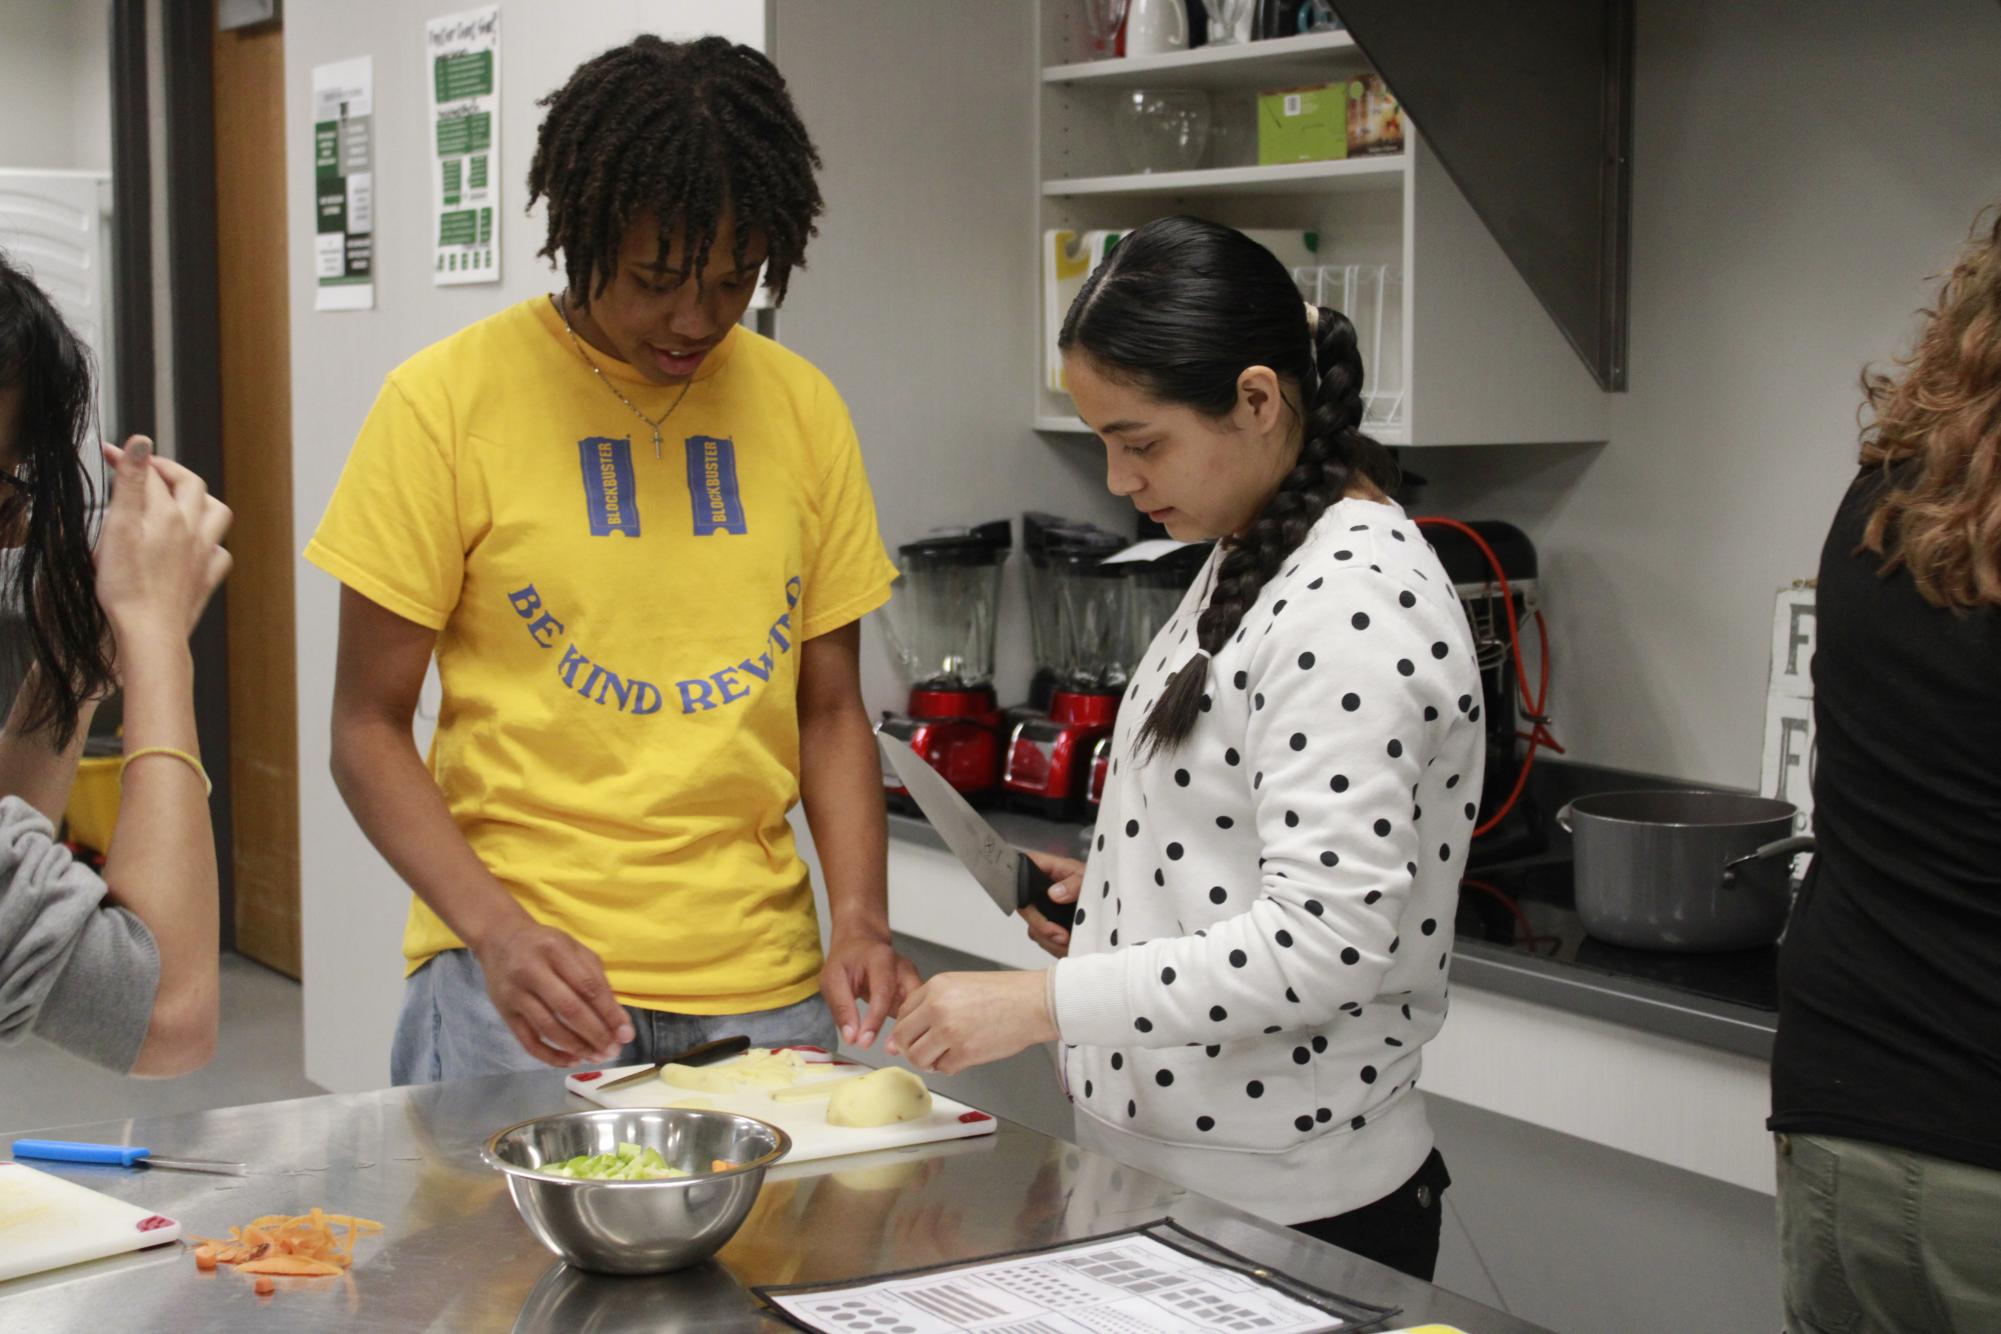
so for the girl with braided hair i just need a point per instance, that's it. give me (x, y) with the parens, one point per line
(639, 541)
(1264, 924)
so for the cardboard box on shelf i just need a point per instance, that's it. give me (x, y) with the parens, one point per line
(1303, 125)
(1375, 120)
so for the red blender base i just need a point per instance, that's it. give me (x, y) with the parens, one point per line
(1101, 765)
(1048, 762)
(958, 734)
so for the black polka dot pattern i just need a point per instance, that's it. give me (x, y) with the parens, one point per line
(1363, 673)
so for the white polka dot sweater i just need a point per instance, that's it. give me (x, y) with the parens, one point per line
(1263, 936)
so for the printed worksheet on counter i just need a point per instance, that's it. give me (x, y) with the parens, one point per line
(1120, 1285)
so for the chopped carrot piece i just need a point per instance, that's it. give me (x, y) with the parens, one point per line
(302, 1245)
(264, 1286)
(296, 1265)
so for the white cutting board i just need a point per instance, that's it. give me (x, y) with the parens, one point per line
(47, 1222)
(805, 1122)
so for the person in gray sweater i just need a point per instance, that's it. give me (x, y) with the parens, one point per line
(119, 969)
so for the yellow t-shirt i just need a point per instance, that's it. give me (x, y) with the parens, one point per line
(618, 635)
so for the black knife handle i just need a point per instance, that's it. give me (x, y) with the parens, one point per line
(1033, 892)
(705, 1052)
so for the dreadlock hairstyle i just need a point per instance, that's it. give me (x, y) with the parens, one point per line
(683, 130)
(1180, 310)
(47, 508)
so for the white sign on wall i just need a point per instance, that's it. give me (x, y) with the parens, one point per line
(344, 185)
(462, 55)
(1787, 772)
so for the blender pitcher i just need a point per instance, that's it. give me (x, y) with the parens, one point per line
(1048, 759)
(940, 625)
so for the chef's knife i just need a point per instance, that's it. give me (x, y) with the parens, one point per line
(1011, 880)
(121, 1155)
(700, 1054)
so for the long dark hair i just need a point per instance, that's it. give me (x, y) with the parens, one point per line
(684, 129)
(1180, 310)
(53, 584)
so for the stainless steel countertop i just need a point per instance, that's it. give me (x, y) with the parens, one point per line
(455, 1256)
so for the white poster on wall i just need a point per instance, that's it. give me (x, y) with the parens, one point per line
(1787, 772)
(462, 52)
(344, 185)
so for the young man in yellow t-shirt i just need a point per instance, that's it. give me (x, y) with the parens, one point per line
(639, 540)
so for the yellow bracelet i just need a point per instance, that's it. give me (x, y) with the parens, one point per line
(191, 761)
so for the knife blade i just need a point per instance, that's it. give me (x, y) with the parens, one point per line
(1011, 880)
(699, 1054)
(121, 1155)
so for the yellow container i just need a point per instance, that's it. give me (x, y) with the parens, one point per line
(93, 802)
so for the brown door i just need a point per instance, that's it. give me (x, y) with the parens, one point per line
(249, 78)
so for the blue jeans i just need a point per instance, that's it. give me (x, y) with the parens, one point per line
(448, 1028)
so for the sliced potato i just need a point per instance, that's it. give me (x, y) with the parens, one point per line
(810, 1092)
(759, 1067)
(880, 1098)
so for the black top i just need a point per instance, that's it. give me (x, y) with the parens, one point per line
(1890, 973)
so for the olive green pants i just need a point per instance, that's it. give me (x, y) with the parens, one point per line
(1875, 1238)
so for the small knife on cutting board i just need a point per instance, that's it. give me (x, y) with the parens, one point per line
(119, 1155)
(1010, 879)
(700, 1054)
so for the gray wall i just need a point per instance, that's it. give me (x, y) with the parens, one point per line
(922, 301)
(1799, 171)
(55, 84)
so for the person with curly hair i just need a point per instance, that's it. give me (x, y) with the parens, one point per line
(1264, 923)
(638, 540)
(1886, 1074)
(119, 969)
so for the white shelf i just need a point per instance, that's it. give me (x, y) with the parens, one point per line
(1291, 178)
(1283, 62)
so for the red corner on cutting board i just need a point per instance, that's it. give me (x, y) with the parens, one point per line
(153, 1223)
(968, 1118)
(588, 1075)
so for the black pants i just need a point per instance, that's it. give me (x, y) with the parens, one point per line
(1399, 1230)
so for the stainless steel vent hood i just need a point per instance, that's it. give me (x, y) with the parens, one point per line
(1528, 106)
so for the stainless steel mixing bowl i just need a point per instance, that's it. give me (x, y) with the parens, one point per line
(637, 1227)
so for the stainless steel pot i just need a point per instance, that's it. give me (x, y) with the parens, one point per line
(1689, 871)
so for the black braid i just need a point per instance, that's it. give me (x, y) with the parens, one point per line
(1182, 307)
(683, 130)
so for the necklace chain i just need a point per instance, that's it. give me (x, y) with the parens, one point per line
(655, 423)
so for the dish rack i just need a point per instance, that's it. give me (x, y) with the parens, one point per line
(1371, 296)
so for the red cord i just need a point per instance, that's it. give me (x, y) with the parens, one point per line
(1528, 935)
(1538, 735)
